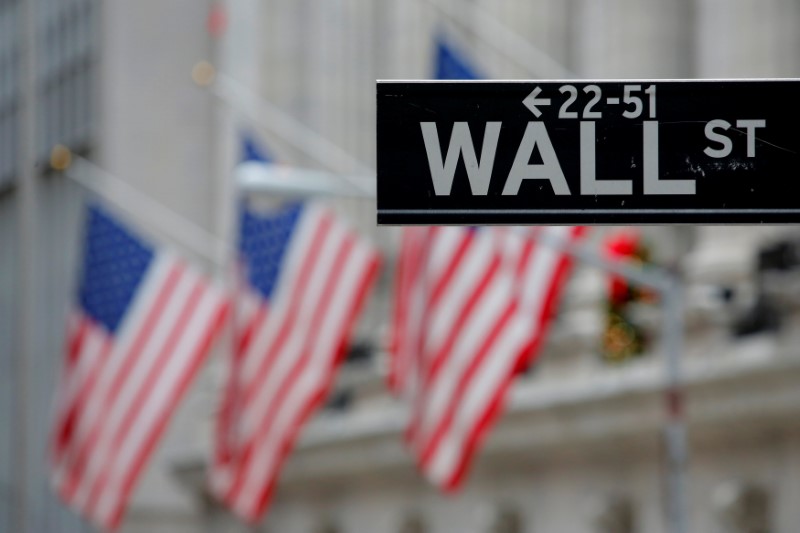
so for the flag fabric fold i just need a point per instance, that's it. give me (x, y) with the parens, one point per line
(142, 326)
(304, 278)
(471, 309)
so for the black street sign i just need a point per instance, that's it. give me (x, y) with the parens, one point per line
(589, 152)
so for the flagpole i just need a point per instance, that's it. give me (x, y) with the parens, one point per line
(294, 132)
(28, 175)
(147, 211)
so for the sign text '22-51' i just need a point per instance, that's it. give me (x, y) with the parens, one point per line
(601, 152)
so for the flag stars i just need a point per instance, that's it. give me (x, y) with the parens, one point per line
(292, 346)
(115, 263)
(264, 243)
(109, 420)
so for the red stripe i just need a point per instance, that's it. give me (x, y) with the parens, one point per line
(162, 298)
(284, 449)
(495, 406)
(440, 284)
(142, 394)
(357, 304)
(454, 262)
(475, 437)
(313, 402)
(246, 337)
(231, 398)
(73, 469)
(407, 270)
(553, 292)
(405, 345)
(157, 429)
(64, 423)
(466, 241)
(456, 331)
(486, 350)
(528, 246)
(549, 292)
(298, 296)
(478, 291)
(76, 341)
(277, 401)
(270, 353)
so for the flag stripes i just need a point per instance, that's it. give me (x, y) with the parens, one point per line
(288, 349)
(119, 387)
(471, 307)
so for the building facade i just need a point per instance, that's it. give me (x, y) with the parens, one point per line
(580, 448)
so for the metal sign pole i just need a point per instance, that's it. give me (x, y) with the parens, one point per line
(675, 430)
(670, 290)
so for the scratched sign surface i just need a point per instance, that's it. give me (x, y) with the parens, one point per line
(583, 152)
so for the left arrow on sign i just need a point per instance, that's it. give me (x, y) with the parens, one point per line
(532, 101)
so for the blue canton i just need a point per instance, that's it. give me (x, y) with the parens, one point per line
(451, 65)
(264, 241)
(252, 151)
(115, 262)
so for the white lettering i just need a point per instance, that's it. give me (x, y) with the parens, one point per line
(589, 185)
(550, 169)
(442, 173)
(711, 135)
(652, 183)
(750, 126)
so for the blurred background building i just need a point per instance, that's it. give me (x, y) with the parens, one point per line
(125, 84)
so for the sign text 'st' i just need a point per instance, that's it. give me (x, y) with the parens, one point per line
(588, 152)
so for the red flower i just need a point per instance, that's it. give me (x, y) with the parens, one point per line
(621, 246)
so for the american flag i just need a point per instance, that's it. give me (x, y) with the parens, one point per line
(305, 277)
(141, 328)
(471, 308)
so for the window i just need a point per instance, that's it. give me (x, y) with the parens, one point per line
(66, 66)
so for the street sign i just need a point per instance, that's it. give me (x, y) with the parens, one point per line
(589, 152)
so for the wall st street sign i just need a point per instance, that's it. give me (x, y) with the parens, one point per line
(589, 152)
